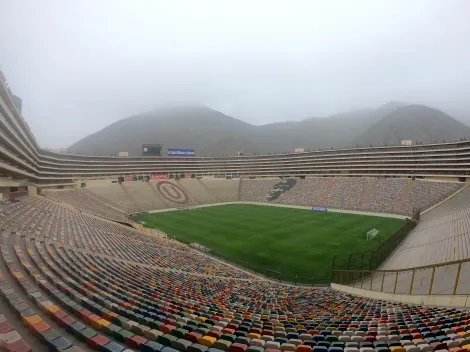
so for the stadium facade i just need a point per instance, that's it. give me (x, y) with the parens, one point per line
(23, 161)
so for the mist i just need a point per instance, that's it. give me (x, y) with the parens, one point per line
(79, 66)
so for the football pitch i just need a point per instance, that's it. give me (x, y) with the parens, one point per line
(284, 243)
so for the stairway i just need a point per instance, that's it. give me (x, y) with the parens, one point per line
(157, 195)
(323, 198)
(127, 193)
(208, 191)
(405, 196)
(191, 199)
(368, 194)
(239, 197)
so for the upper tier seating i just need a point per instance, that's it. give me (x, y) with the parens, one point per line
(378, 195)
(424, 194)
(80, 283)
(387, 195)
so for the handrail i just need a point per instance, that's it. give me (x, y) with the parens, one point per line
(409, 269)
(440, 278)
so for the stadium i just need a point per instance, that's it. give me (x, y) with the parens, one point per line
(338, 250)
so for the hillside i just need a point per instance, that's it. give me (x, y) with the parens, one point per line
(210, 132)
(416, 122)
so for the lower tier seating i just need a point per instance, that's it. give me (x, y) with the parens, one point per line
(79, 283)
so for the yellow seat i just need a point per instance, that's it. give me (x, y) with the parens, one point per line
(52, 309)
(98, 324)
(207, 341)
(253, 335)
(397, 349)
(34, 319)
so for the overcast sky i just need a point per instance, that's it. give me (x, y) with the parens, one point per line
(81, 65)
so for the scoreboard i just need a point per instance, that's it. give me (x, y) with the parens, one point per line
(151, 149)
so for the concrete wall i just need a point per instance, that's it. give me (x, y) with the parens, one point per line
(5, 193)
(444, 179)
(458, 301)
(32, 190)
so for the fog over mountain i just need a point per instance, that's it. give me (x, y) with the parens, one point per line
(211, 132)
(80, 66)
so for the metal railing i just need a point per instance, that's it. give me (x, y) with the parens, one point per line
(450, 278)
(373, 259)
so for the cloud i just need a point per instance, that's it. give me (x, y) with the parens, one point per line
(79, 66)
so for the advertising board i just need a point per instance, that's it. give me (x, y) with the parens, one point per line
(159, 176)
(181, 152)
(319, 209)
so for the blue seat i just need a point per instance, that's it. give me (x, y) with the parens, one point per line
(319, 349)
(310, 343)
(60, 344)
(112, 347)
(326, 344)
(151, 346)
(335, 349)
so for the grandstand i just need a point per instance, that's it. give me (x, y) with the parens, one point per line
(77, 274)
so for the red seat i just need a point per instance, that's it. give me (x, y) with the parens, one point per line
(89, 319)
(18, 346)
(5, 327)
(193, 337)
(66, 321)
(167, 329)
(135, 341)
(304, 348)
(60, 314)
(237, 347)
(39, 327)
(216, 334)
(84, 313)
(97, 342)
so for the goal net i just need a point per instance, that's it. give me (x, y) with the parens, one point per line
(371, 234)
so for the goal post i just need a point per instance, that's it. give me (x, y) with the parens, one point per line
(371, 234)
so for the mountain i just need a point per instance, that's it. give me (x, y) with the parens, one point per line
(193, 127)
(210, 132)
(416, 122)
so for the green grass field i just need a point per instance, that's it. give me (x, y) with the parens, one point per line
(284, 243)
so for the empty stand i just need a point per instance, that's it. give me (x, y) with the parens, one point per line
(140, 196)
(80, 283)
(82, 199)
(379, 195)
(441, 236)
